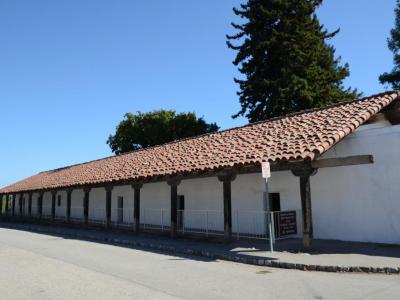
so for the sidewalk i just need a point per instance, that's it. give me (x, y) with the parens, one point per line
(329, 256)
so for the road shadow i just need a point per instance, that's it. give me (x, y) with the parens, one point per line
(194, 247)
(183, 248)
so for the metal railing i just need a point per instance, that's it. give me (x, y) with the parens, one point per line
(207, 222)
(254, 224)
(122, 217)
(76, 214)
(155, 219)
(246, 224)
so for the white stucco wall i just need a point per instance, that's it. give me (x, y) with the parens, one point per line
(46, 204)
(35, 204)
(155, 204)
(201, 195)
(126, 192)
(97, 204)
(26, 208)
(77, 204)
(17, 202)
(360, 203)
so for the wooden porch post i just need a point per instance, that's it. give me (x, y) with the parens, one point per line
(86, 205)
(305, 194)
(30, 204)
(53, 205)
(14, 198)
(20, 204)
(69, 194)
(40, 204)
(1, 204)
(109, 189)
(136, 205)
(7, 206)
(226, 180)
(173, 183)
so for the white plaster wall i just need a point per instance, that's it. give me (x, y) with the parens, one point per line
(35, 204)
(77, 203)
(248, 204)
(360, 203)
(26, 208)
(97, 204)
(126, 192)
(18, 196)
(155, 204)
(203, 201)
(46, 204)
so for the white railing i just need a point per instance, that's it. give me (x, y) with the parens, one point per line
(155, 219)
(76, 214)
(250, 224)
(255, 224)
(245, 224)
(46, 212)
(122, 217)
(96, 216)
(207, 222)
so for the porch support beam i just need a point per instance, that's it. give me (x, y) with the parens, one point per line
(306, 210)
(1, 204)
(226, 178)
(30, 204)
(40, 204)
(53, 205)
(69, 194)
(7, 205)
(86, 205)
(275, 167)
(20, 203)
(342, 161)
(136, 205)
(109, 189)
(173, 183)
(14, 198)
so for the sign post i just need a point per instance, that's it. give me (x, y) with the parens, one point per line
(266, 174)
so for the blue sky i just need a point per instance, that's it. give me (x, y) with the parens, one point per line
(70, 69)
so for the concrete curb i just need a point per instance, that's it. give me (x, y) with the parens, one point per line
(215, 255)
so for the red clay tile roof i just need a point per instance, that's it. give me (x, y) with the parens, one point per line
(301, 136)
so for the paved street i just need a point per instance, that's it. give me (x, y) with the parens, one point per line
(35, 266)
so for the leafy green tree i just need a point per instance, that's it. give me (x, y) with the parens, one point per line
(393, 78)
(143, 130)
(285, 60)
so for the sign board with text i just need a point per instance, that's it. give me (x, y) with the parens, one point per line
(287, 223)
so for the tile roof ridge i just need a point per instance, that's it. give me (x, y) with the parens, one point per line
(232, 128)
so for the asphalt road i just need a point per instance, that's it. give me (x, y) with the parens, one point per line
(37, 266)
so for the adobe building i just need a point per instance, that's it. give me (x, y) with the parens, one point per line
(335, 174)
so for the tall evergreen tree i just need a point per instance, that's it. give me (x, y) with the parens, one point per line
(284, 57)
(393, 78)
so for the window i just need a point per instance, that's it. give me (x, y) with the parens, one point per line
(59, 200)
